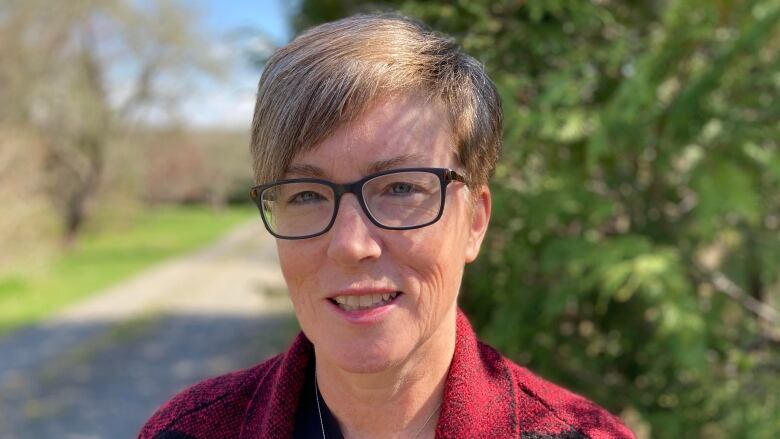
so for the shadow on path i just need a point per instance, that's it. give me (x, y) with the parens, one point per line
(99, 368)
(109, 384)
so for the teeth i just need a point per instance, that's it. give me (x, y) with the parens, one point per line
(367, 301)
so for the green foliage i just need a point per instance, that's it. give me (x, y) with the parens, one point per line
(105, 256)
(640, 181)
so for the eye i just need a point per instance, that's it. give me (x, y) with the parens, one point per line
(402, 185)
(305, 197)
(401, 188)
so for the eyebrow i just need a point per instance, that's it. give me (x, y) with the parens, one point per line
(305, 171)
(377, 166)
(394, 162)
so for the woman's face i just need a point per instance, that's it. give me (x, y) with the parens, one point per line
(357, 262)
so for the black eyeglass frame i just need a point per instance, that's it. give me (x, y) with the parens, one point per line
(446, 176)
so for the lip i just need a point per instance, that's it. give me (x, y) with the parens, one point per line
(364, 316)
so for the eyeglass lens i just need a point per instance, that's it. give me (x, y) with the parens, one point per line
(397, 200)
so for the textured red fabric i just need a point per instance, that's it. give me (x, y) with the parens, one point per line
(485, 396)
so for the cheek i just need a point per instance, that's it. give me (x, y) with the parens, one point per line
(298, 268)
(296, 258)
(433, 269)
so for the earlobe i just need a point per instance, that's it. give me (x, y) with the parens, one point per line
(479, 222)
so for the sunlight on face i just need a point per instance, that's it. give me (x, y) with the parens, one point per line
(425, 265)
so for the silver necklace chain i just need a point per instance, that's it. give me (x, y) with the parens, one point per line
(319, 411)
(438, 406)
(322, 424)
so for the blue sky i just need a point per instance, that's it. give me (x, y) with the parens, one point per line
(269, 16)
(229, 102)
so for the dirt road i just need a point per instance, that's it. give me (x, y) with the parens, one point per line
(101, 367)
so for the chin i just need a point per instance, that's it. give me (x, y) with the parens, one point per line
(363, 356)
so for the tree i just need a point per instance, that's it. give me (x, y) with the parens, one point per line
(633, 248)
(60, 64)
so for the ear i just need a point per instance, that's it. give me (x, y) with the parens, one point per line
(479, 222)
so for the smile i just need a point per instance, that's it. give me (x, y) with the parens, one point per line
(364, 301)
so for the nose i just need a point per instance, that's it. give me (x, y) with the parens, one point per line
(353, 238)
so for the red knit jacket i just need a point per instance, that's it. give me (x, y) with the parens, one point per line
(485, 396)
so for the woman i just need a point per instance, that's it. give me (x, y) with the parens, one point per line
(374, 139)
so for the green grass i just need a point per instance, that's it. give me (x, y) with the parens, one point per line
(102, 258)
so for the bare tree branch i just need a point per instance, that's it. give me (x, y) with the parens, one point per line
(726, 286)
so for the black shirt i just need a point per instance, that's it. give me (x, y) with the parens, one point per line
(307, 420)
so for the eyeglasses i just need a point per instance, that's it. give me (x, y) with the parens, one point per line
(398, 199)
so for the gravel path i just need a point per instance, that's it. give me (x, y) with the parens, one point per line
(101, 367)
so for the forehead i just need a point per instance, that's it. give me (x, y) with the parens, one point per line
(394, 132)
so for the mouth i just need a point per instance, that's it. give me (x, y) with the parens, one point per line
(364, 301)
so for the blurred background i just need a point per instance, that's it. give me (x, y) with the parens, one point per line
(634, 249)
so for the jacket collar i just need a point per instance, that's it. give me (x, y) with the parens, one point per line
(478, 392)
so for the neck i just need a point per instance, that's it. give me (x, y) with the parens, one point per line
(397, 401)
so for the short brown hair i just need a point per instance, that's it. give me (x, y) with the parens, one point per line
(330, 74)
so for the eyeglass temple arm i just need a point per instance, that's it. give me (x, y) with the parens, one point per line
(454, 176)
